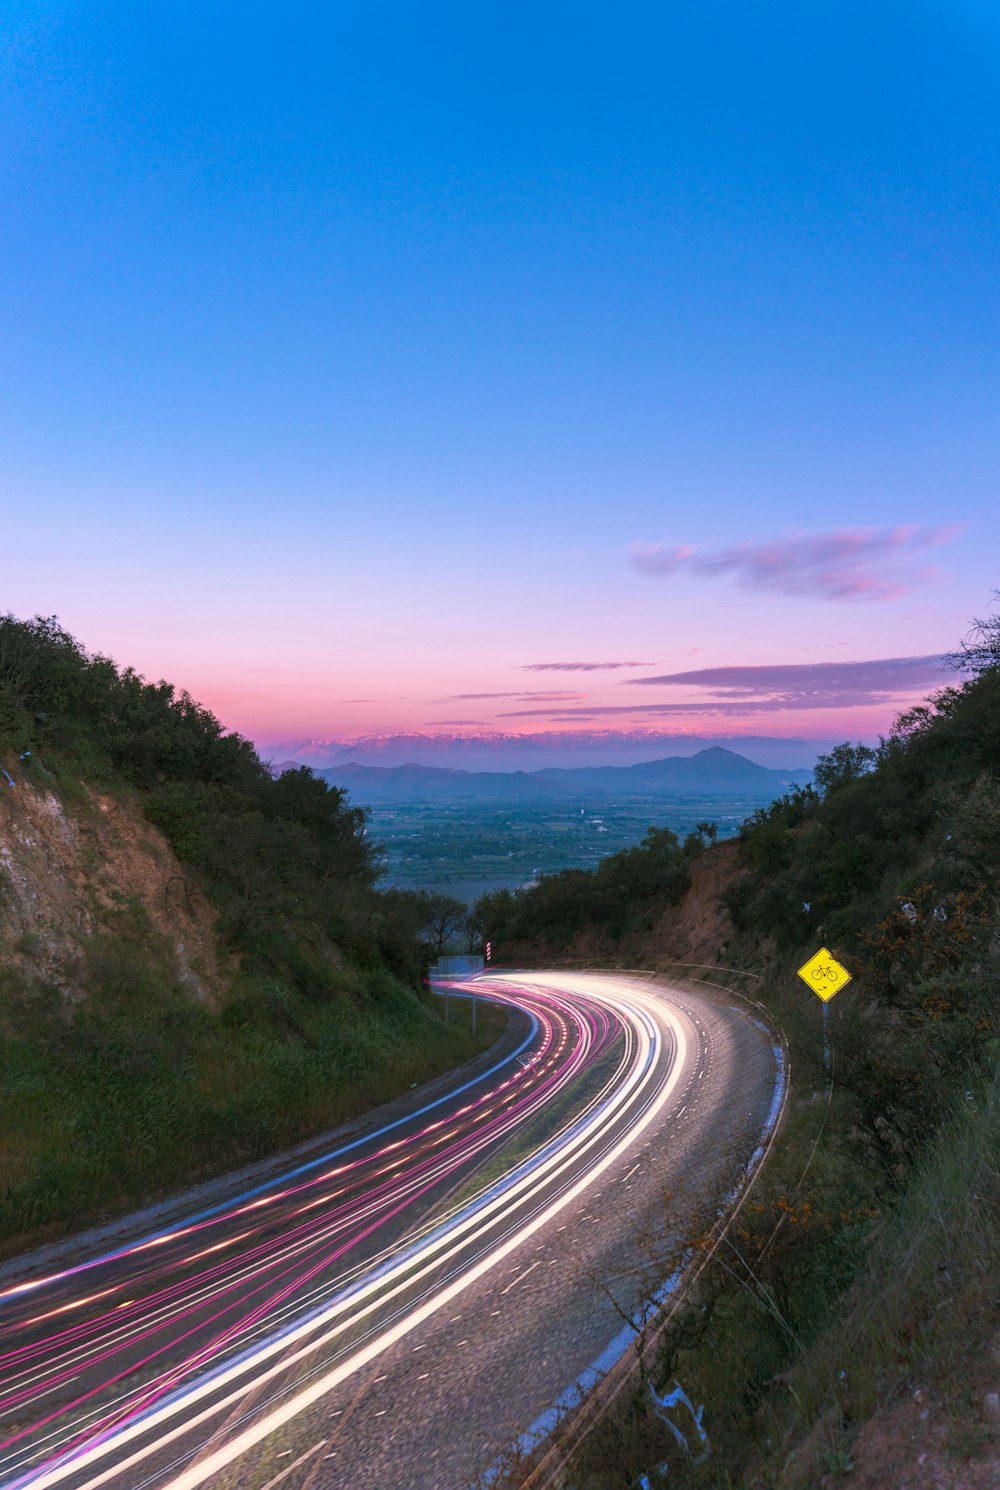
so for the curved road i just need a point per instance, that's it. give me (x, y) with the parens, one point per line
(400, 1310)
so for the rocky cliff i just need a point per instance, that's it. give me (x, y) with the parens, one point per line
(72, 864)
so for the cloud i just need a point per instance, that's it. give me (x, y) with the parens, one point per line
(553, 698)
(773, 689)
(596, 711)
(577, 667)
(844, 564)
(541, 694)
(806, 684)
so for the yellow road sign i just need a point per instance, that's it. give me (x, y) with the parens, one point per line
(824, 974)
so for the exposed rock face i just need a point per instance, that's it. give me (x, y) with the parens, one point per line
(699, 928)
(67, 870)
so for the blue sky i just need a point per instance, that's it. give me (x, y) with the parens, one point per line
(359, 351)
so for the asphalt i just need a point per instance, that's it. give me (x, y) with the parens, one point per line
(448, 1402)
(450, 1368)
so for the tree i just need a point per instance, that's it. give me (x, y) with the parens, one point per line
(979, 651)
(493, 917)
(707, 830)
(441, 917)
(844, 764)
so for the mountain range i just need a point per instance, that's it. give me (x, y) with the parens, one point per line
(714, 772)
(502, 751)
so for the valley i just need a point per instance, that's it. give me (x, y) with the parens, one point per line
(467, 848)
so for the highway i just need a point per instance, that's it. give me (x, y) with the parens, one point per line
(400, 1309)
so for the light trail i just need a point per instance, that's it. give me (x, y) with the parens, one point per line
(289, 1292)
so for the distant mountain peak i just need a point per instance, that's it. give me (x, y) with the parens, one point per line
(714, 771)
(494, 750)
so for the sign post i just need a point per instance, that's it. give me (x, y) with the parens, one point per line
(464, 968)
(826, 977)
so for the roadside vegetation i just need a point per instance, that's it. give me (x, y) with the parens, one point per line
(116, 1082)
(863, 1272)
(618, 900)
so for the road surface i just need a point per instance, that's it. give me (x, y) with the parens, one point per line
(401, 1309)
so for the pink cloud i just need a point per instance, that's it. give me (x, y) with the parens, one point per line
(845, 564)
(577, 667)
(597, 711)
(773, 689)
(542, 695)
(804, 684)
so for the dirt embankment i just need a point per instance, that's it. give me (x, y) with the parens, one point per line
(67, 868)
(699, 929)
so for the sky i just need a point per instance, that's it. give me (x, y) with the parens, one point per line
(378, 367)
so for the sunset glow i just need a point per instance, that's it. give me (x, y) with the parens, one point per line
(419, 379)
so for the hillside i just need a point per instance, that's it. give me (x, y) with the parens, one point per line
(70, 869)
(848, 1331)
(196, 965)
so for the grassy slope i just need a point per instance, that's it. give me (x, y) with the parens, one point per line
(920, 1317)
(141, 1090)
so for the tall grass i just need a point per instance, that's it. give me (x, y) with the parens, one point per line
(927, 1298)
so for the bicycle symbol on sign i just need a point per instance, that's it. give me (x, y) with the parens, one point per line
(824, 972)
